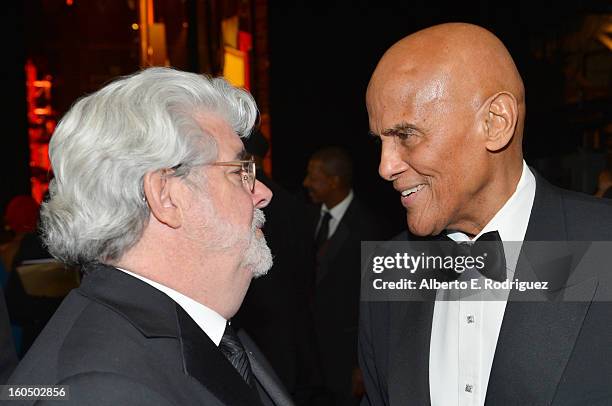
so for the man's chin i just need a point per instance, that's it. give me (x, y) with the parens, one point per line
(259, 273)
(258, 258)
(261, 269)
(420, 228)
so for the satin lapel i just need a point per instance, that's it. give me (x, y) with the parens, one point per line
(409, 338)
(203, 361)
(537, 336)
(136, 300)
(264, 374)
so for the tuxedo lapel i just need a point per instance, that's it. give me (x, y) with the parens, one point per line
(534, 345)
(409, 351)
(410, 324)
(537, 336)
(264, 374)
(205, 362)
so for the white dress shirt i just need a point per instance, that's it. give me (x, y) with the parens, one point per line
(211, 322)
(337, 212)
(464, 331)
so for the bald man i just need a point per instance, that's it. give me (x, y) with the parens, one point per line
(448, 105)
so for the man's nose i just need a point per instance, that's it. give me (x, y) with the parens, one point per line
(261, 195)
(391, 162)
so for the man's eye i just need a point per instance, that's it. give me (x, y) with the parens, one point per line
(241, 174)
(403, 136)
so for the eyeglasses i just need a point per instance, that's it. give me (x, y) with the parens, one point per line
(247, 169)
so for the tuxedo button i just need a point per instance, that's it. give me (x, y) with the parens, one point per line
(469, 319)
(469, 388)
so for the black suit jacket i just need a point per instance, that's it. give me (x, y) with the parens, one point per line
(548, 353)
(118, 341)
(336, 295)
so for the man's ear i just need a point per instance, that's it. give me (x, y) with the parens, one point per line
(501, 119)
(160, 191)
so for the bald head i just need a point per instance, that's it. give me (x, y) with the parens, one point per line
(448, 104)
(460, 62)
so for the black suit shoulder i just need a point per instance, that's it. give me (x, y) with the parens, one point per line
(110, 345)
(109, 389)
(587, 217)
(97, 350)
(559, 214)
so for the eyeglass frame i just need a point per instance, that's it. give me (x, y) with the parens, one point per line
(248, 166)
(249, 169)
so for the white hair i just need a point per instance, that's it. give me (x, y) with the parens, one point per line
(106, 143)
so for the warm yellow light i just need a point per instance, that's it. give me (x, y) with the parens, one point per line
(42, 83)
(42, 111)
(234, 66)
(135, 27)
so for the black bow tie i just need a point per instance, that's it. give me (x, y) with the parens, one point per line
(488, 246)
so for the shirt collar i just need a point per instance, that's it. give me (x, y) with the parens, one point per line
(211, 322)
(337, 212)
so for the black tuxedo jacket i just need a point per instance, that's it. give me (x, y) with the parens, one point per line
(116, 340)
(548, 353)
(336, 295)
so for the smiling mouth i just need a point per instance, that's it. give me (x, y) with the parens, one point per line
(412, 190)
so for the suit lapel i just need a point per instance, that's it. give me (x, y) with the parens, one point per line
(264, 374)
(537, 336)
(136, 300)
(409, 339)
(409, 352)
(203, 361)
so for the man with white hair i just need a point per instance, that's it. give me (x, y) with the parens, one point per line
(153, 196)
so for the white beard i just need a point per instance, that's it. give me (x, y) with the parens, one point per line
(257, 256)
(221, 236)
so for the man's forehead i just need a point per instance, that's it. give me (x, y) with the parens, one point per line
(234, 143)
(225, 137)
(404, 101)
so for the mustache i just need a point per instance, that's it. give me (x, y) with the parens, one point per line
(259, 219)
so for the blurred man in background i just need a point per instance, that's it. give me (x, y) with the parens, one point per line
(338, 226)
